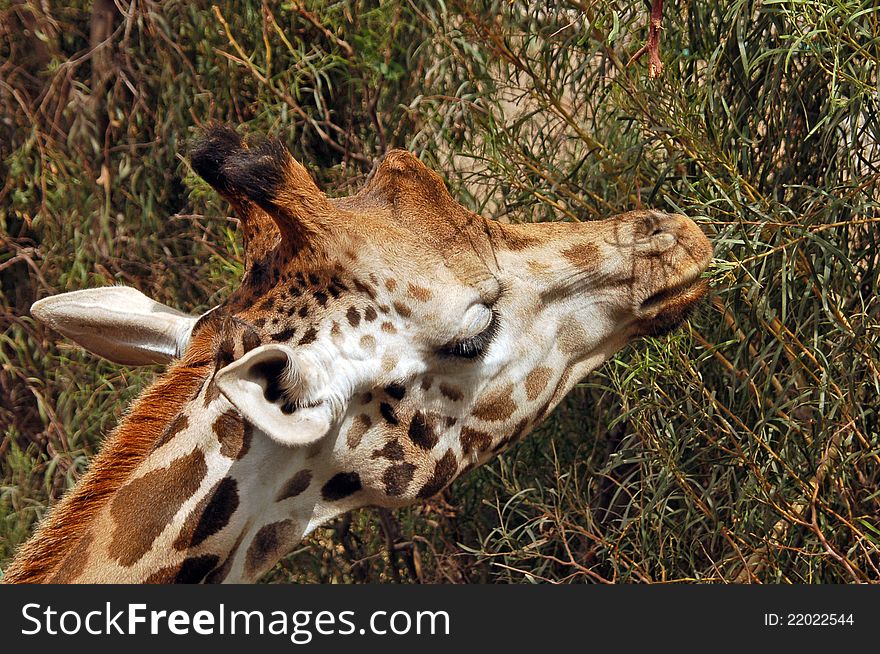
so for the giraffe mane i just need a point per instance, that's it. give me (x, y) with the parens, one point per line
(127, 446)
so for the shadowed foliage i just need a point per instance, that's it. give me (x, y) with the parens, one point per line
(742, 447)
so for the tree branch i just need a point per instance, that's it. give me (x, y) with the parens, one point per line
(652, 45)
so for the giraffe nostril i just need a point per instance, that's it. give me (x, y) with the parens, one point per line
(663, 228)
(656, 225)
(659, 230)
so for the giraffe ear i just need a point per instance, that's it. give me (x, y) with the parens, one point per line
(118, 323)
(280, 391)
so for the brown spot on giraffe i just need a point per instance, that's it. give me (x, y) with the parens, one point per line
(536, 382)
(359, 427)
(365, 288)
(473, 440)
(497, 405)
(296, 485)
(353, 316)
(397, 478)
(402, 310)
(284, 335)
(370, 314)
(417, 292)
(163, 576)
(391, 284)
(194, 569)
(392, 450)
(211, 514)
(444, 471)
(340, 486)
(233, 433)
(583, 255)
(421, 433)
(537, 267)
(368, 343)
(388, 328)
(270, 540)
(571, 336)
(309, 337)
(451, 392)
(388, 413)
(397, 391)
(144, 507)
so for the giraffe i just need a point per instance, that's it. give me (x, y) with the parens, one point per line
(377, 347)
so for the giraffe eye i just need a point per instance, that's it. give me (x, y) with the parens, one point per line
(473, 346)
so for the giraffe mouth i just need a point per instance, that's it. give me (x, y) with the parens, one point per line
(668, 309)
(689, 290)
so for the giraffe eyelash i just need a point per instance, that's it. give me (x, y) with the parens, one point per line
(475, 346)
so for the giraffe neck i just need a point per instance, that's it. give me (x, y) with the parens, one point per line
(50, 554)
(183, 491)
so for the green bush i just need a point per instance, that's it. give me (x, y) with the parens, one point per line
(744, 447)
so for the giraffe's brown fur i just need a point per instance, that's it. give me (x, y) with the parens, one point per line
(233, 433)
(295, 486)
(211, 515)
(164, 490)
(497, 406)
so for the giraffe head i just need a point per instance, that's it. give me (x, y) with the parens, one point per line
(381, 344)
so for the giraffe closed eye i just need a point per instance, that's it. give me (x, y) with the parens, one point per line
(474, 346)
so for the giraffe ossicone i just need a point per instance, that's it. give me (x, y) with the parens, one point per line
(378, 346)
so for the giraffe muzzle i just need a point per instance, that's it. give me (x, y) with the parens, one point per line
(683, 264)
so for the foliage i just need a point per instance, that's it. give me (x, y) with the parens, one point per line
(745, 447)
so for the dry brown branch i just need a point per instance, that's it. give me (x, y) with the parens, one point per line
(652, 45)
